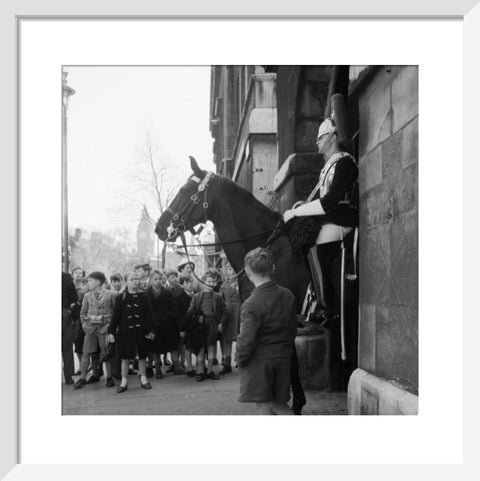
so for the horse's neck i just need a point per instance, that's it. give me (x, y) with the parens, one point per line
(240, 220)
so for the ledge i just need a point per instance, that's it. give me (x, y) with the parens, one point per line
(309, 163)
(369, 394)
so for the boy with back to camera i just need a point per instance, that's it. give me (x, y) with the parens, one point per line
(266, 341)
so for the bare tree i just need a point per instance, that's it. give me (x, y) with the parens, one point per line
(102, 252)
(153, 178)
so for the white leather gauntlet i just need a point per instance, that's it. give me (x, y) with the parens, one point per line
(312, 208)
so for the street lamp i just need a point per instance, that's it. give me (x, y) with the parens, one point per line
(67, 92)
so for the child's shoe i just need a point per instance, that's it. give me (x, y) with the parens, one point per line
(213, 376)
(93, 379)
(200, 377)
(226, 370)
(79, 384)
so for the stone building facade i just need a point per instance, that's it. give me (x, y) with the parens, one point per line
(264, 121)
(387, 379)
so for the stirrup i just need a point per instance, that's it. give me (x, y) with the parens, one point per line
(323, 318)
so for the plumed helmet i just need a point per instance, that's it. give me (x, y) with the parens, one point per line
(326, 127)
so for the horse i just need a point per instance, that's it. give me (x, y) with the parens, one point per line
(243, 223)
(236, 215)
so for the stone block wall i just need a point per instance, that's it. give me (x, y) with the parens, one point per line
(388, 170)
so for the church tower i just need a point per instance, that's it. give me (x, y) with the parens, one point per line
(145, 240)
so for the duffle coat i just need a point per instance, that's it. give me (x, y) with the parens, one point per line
(132, 320)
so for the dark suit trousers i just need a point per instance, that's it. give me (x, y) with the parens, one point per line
(67, 343)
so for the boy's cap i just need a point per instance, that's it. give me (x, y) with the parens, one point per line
(97, 275)
(146, 267)
(182, 265)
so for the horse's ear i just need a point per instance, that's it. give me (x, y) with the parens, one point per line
(196, 169)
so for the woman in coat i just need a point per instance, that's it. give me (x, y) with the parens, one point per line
(132, 326)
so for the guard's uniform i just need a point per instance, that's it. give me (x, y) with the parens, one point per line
(336, 183)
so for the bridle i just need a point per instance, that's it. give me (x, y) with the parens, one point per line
(179, 223)
(177, 229)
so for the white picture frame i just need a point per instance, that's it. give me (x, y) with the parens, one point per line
(14, 12)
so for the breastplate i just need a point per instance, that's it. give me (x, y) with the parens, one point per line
(328, 172)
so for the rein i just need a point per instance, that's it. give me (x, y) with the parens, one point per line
(216, 244)
(228, 282)
(174, 230)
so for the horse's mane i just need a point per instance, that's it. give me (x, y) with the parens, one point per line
(239, 194)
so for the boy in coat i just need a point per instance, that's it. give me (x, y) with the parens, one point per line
(266, 341)
(96, 313)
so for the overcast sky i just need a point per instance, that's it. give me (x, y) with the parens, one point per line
(109, 117)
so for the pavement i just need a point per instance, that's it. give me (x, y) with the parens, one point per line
(181, 395)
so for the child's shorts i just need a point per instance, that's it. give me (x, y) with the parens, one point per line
(94, 342)
(265, 380)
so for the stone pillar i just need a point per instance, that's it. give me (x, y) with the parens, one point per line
(255, 157)
(296, 179)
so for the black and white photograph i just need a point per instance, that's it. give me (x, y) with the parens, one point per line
(239, 240)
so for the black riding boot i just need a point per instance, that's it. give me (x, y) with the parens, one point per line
(298, 395)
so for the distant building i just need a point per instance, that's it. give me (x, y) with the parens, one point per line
(145, 236)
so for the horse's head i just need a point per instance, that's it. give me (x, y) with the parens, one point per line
(188, 208)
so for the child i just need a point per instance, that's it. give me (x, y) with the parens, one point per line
(172, 279)
(231, 327)
(266, 340)
(116, 362)
(80, 281)
(214, 313)
(181, 304)
(165, 330)
(133, 317)
(186, 269)
(143, 273)
(116, 282)
(96, 313)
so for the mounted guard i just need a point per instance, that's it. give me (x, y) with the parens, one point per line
(333, 202)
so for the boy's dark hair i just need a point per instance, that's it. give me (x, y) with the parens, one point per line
(116, 277)
(259, 261)
(156, 272)
(171, 272)
(182, 279)
(214, 273)
(97, 275)
(210, 274)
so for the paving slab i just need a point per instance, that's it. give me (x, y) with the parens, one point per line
(181, 395)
